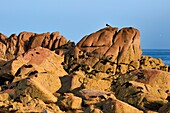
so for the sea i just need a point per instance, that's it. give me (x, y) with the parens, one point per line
(164, 54)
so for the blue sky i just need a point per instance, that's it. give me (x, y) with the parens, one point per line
(77, 18)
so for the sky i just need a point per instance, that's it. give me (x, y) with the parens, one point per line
(76, 18)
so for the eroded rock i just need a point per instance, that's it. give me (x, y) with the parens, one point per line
(46, 73)
(39, 60)
(145, 89)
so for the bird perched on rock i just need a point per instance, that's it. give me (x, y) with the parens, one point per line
(108, 25)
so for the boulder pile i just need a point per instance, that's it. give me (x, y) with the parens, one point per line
(104, 72)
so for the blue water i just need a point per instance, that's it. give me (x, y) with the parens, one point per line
(164, 54)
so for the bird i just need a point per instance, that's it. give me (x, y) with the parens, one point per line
(108, 25)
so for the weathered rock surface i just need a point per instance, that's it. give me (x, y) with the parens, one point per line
(79, 80)
(122, 46)
(34, 74)
(69, 101)
(145, 89)
(104, 73)
(109, 51)
(15, 45)
(107, 101)
(165, 108)
(37, 60)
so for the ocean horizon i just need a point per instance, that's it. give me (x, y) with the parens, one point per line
(164, 54)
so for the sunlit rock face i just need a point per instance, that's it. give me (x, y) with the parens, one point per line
(16, 45)
(104, 72)
(121, 46)
(108, 50)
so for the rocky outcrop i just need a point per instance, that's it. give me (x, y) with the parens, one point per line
(110, 51)
(37, 60)
(121, 46)
(34, 75)
(104, 73)
(80, 80)
(95, 100)
(16, 45)
(145, 89)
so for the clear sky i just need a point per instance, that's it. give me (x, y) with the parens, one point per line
(77, 18)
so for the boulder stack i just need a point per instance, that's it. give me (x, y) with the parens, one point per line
(16, 45)
(104, 72)
(110, 51)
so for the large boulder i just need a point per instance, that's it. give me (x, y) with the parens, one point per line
(35, 74)
(95, 100)
(69, 101)
(80, 80)
(122, 46)
(107, 50)
(37, 60)
(145, 89)
(117, 106)
(35, 79)
(38, 86)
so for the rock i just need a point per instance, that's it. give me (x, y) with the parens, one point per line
(34, 105)
(3, 45)
(117, 106)
(107, 101)
(57, 41)
(3, 38)
(95, 98)
(165, 108)
(38, 39)
(70, 101)
(15, 106)
(35, 89)
(92, 110)
(134, 65)
(15, 45)
(98, 39)
(79, 80)
(11, 47)
(36, 73)
(23, 42)
(53, 108)
(107, 50)
(2, 61)
(46, 40)
(91, 93)
(72, 82)
(125, 47)
(3, 49)
(147, 62)
(103, 66)
(149, 111)
(4, 97)
(127, 44)
(104, 73)
(97, 84)
(39, 60)
(145, 89)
